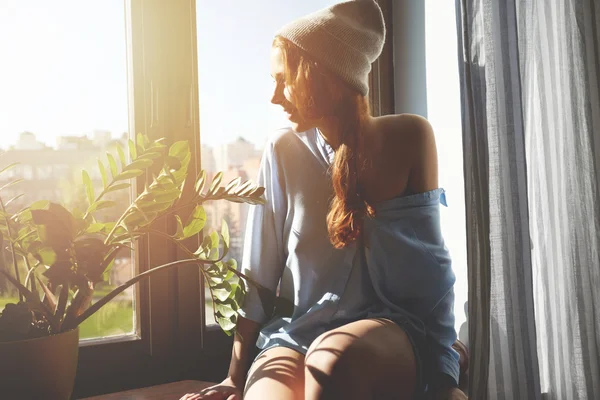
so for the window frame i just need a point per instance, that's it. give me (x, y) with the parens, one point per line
(163, 102)
(381, 78)
(173, 341)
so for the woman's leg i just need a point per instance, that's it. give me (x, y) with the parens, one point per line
(367, 359)
(277, 374)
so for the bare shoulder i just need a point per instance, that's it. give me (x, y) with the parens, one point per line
(412, 137)
(405, 129)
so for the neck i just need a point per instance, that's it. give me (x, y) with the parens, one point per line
(328, 129)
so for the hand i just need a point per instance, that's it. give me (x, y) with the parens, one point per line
(226, 390)
(449, 394)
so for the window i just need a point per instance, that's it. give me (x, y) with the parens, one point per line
(79, 74)
(443, 111)
(67, 78)
(74, 76)
(235, 86)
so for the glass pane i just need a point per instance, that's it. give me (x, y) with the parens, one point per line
(63, 106)
(235, 84)
(443, 111)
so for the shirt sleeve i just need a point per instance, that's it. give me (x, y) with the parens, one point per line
(441, 335)
(263, 257)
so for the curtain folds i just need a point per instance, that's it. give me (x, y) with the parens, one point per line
(530, 74)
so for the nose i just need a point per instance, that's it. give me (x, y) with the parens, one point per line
(277, 97)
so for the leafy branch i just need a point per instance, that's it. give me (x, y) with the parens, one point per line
(77, 250)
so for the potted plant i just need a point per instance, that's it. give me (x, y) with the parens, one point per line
(67, 253)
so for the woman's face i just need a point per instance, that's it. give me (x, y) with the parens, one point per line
(282, 93)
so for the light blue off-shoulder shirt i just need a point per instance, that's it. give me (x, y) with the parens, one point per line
(400, 269)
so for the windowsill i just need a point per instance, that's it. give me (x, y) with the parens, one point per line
(169, 390)
(111, 339)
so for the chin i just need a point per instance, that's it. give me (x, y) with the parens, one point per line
(299, 127)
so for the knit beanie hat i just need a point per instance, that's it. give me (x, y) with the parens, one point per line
(345, 38)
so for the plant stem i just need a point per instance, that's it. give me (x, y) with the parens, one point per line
(29, 274)
(190, 254)
(30, 297)
(97, 305)
(62, 301)
(235, 271)
(121, 218)
(12, 247)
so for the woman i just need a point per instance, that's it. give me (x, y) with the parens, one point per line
(349, 234)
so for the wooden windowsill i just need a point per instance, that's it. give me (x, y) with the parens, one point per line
(169, 391)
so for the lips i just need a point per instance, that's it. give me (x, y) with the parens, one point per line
(290, 113)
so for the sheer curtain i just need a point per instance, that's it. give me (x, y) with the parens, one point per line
(531, 125)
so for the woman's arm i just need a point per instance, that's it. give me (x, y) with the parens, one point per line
(242, 351)
(424, 177)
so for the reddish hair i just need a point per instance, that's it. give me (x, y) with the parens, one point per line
(317, 93)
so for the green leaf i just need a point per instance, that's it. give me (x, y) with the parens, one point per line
(200, 181)
(95, 227)
(28, 295)
(238, 293)
(233, 184)
(226, 308)
(9, 167)
(195, 222)
(103, 174)
(121, 155)
(142, 163)
(112, 164)
(167, 196)
(129, 174)
(242, 188)
(47, 256)
(258, 192)
(58, 220)
(118, 186)
(25, 215)
(152, 155)
(230, 264)
(11, 183)
(157, 144)
(179, 234)
(173, 163)
(14, 199)
(222, 293)
(99, 205)
(226, 324)
(180, 150)
(205, 247)
(247, 189)
(89, 188)
(225, 232)
(154, 207)
(132, 149)
(141, 141)
(215, 183)
(24, 233)
(50, 298)
(214, 249)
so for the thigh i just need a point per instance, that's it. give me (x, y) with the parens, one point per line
(278, 373)
(372, 358)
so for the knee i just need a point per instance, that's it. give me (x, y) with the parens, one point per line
(334, 358)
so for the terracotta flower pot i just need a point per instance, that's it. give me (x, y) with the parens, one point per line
(42, 368)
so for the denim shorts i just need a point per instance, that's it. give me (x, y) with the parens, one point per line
(419, 345)
(416, 338)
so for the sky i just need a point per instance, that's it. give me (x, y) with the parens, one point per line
(63, 72)
(63, 69)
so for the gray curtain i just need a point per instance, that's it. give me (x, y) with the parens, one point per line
(530, 74)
